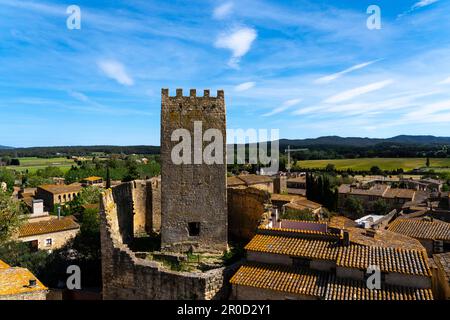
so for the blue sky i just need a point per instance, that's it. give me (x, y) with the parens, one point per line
(308, 68)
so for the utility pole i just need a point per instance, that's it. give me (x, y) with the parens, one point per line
(289, 150)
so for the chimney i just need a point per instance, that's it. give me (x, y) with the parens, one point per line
(345, 238)
(32, 283)
(274, 215)
(371, 233)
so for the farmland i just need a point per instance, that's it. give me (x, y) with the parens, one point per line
(364, 164)
(32, 164)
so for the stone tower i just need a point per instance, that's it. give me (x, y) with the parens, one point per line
(193, 195)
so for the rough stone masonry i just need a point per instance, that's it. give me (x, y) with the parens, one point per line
(193, 196)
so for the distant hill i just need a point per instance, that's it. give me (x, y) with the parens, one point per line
(366, 142)
(403, 145)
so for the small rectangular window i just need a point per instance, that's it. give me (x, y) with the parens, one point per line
(48, 242)
(194, 229)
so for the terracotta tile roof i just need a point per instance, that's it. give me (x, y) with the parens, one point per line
(250, 179)
(264, 229)
(234, 181)
(93, 178)
(298, 247)
(318, 284)
(285, 197)
(15, 281)
(421, 229)
(352, 256)
(3, 265)
(377, 190)
(387, 259)
(281, 278)
(400, 193)
(341, 222)
(442, 261)
(347, 289)
(297, 180)
(390, 259)
(384, 238)
(59, 188)
(302, 204)
(47, 226)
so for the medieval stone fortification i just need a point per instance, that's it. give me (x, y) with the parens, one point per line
(194, 197)
(187, 208)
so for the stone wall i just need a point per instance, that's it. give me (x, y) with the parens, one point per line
(125, 276)
(35, 295)
(250, 293)
(139, 202)
(246, 208)
(59, 239)
(193, 197)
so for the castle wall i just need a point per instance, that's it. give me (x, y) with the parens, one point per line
(127, 277)
(245, 211)
(139, 202)
(193, 194)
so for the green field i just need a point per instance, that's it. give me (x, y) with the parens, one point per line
(32, 164)
(364, 164)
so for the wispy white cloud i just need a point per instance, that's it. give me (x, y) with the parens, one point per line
(116, 70)
(286, 105)
(352, 93)
(445, 81)
(223, 10)
(417, 5)
(244, 86)
(337, 75)
(239, 42)
(90, 105)
(402, 101)
(423, 3)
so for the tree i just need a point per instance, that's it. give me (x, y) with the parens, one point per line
(108, 178)
(10, 212)
(7, 176)
(428, 162)
(380, 207)
(50, 172)
(375, 170)
(353, 206)
(132, 170)
(90, 195)
(304, 214)
(15, 162)
(330, 167)
(20, 254)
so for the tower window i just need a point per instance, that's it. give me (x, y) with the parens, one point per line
(194, 229)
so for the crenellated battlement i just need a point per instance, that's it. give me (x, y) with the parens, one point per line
(192, 94)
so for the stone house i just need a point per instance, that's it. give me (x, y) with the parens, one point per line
(310, 260)
(92, 181)
(433, 235)
(57, 194)
(48, 234)
(395, 198)
(442, 283)
(252, 180)
(20, 284)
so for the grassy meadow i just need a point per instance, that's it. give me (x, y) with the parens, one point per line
(32, 164)
(438, 164)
